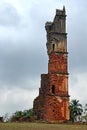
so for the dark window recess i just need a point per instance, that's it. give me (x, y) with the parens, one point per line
(53, 47)
(53, 89)
(50, 28)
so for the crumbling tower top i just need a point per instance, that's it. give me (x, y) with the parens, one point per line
(56, 32)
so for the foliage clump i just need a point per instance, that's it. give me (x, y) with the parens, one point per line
(23, 116)
(75, 110)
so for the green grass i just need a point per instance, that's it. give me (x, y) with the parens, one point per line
(40, 126)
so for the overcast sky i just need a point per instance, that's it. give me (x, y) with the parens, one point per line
(23, 54)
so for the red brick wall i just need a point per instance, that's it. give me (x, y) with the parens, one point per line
(57, 63)
(53, 105)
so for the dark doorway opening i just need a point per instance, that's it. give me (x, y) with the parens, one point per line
(53, 89)
(53, 47)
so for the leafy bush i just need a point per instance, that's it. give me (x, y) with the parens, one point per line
(23, 116)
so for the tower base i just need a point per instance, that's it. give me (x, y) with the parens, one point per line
(50, 107)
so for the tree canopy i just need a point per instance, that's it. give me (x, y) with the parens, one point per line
(26, 115)
(75, 109)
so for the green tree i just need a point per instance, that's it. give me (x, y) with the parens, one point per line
(75, 109)
(26, 115)
(16, 116)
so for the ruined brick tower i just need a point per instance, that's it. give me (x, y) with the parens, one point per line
(52, 104)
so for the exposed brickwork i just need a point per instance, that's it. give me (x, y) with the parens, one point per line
(57, 63)
(52, 104)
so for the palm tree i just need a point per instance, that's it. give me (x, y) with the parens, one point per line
(75, 109)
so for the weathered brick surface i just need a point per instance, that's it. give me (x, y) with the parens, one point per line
(57, 63)
(52, 104)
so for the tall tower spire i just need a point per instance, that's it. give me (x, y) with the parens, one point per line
(52, 104)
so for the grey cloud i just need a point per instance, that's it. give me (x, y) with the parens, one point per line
(77, 46)
(9, 15)
(15, 99)
(19, 64)
(23, 55)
